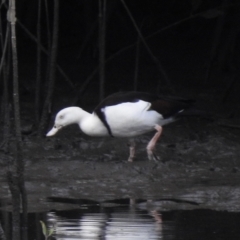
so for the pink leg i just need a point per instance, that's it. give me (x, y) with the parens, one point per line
(152, 143)
(157, 216)
(131, 150)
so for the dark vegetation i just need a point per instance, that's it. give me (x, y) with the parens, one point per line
(60, 53)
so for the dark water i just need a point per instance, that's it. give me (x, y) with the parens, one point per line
(119, 220)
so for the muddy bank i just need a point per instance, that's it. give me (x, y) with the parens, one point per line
(199, 161)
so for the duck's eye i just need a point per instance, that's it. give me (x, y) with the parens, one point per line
(61, 116)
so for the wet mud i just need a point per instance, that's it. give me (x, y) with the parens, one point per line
(199, 162)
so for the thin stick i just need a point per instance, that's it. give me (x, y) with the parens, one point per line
(48, 24)
(38, 73)
(52, 67)
(16, 182)
(102, 32)
(4, 49)
(162, 71)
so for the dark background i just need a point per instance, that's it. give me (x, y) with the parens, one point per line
(195, 41)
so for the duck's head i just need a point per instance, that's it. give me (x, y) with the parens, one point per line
(64, 118)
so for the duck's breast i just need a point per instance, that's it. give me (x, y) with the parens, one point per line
(93, 126)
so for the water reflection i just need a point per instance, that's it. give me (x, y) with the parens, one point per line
(143, 220)
(119, 222)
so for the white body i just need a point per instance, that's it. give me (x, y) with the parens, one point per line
(124, 119)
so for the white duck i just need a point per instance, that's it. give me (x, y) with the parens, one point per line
(126, 114)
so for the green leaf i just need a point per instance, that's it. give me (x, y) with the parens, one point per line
(44, 229)
(50, 232)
